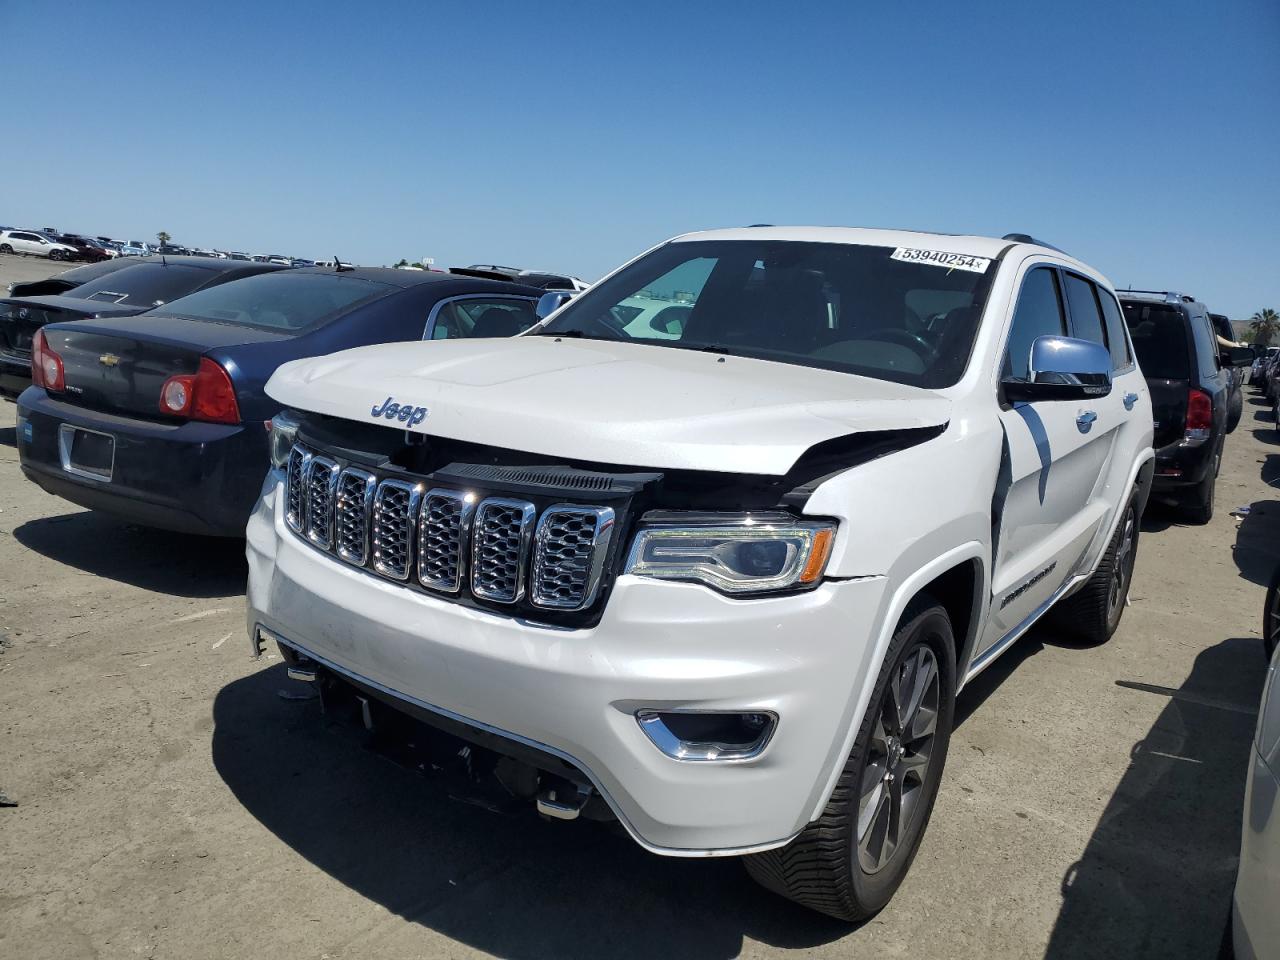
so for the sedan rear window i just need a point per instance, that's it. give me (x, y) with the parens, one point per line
(144, 285)
(279, 301)
(1159, 335)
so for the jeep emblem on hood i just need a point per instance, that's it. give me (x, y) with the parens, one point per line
(404, 412)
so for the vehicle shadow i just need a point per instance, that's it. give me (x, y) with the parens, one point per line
(9, 437)
(1155, 878)
(1256, 551)
(1268, 435)
(173, 563)
(399, 838)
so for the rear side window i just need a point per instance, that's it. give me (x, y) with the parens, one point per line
(1159, 335)
(1039, 314)
(1116, 340)
(1086, 318)
(1206, 346)
(483, 317)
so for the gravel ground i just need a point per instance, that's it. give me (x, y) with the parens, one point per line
(172, 804)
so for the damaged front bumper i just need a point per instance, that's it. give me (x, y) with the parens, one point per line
(580, 696)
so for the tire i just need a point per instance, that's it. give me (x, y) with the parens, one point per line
(1092, 614)
(1235, 409)
(1271, 616)
(1198, 507)
(5, 248)
(828, 867)
(55, 254)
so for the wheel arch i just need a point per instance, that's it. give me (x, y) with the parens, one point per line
(963, 576)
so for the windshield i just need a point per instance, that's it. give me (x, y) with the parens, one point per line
(144, 284)
(280, 301)
(1159, 336)
(874, 311)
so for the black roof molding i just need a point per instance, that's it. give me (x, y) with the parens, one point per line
(1027, 238)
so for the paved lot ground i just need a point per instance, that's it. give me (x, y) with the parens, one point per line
(173, 805)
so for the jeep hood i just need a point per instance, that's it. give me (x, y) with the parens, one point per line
(605, 401)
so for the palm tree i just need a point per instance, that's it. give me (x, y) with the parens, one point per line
(163, 237)
(1265, 324)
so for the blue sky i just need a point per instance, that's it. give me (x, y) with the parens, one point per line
(1143, 138)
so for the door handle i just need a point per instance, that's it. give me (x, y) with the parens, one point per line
(1085, 420)
(1129, 400)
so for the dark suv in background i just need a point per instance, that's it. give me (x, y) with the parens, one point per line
(1191, 378)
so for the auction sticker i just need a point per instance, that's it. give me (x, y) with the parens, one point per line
(939, 258)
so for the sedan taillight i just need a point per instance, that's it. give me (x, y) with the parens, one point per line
(46, 366)
(207, 395)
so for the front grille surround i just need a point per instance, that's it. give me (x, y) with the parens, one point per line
(318, 490)
(295, 508)
(444, 535)
(458, 539)
(395, 511)
(570, 545)
(500, 537)
(353, 504)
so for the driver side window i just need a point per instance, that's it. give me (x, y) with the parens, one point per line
(659, 311)
(1038, 314)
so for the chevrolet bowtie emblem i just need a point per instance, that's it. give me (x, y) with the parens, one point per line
(109, 360)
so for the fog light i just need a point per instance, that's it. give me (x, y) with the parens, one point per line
(706, 735)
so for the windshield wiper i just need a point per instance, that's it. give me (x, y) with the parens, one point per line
(716, 348)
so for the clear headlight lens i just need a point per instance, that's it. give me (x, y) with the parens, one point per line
(734, 553)
(283, 431)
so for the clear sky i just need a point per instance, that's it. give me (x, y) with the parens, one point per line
(1143, 138)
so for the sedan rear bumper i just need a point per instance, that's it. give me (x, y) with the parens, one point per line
(191, 477)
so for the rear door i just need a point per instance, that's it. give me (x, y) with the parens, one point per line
(1050, 500)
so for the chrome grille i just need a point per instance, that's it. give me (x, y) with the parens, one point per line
(499, 548)
(495, 549)
(295, 505)
(353, 500)
(443, 525)
(322, 479)
(570, 545)
(395, 506)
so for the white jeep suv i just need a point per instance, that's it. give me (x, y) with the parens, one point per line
(720, 580)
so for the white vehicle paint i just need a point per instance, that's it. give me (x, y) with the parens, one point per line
(33, 244)
(1255, 921)
(852, 413)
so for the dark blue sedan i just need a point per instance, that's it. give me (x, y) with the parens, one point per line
(161, 418)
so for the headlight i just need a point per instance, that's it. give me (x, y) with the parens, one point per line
(283, 430)
(734, 553)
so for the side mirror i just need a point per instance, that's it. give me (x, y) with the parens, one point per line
(552, 301)
(1063, 368)
(1236, 356)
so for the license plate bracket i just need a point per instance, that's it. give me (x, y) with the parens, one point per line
(86, 453)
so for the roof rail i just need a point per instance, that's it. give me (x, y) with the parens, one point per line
(1027, 238)
(1171, 295)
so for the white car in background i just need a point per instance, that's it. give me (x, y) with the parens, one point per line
(1255, 914)
(136, 248)
(33, 244)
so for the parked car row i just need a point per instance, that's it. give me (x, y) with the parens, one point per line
(685, 549)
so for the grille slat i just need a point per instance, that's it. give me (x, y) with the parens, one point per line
(354, 502)
(395, 508)
(570, 546)
(500, 541)
(498, 550)
(321, 481)
(444, 525)
(295, 503)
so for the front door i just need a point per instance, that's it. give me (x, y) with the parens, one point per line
(1052, 498)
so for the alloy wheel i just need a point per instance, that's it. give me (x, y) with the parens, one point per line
(898, 757)
(1271, 629)
(1122, 569)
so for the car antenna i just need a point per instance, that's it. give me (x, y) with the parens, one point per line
(340, 268)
